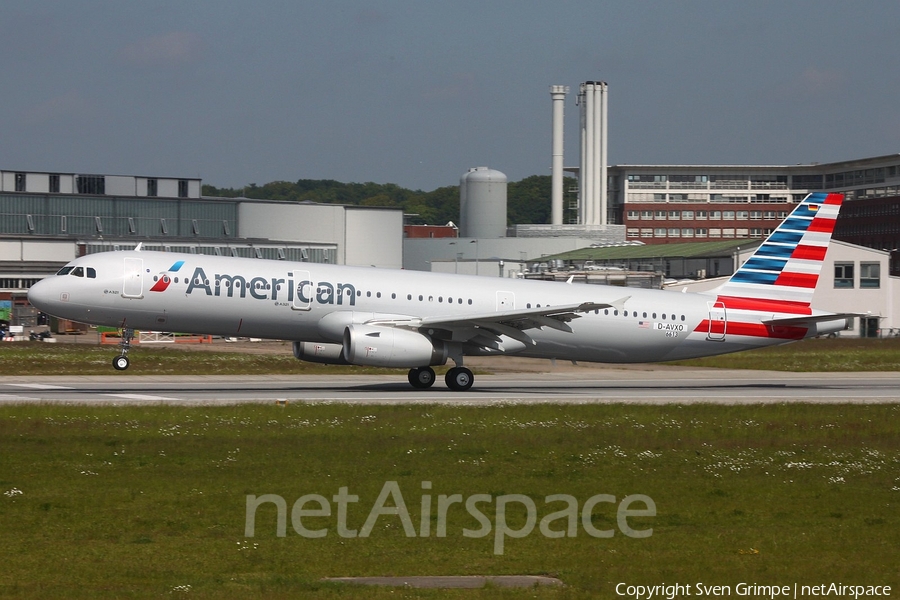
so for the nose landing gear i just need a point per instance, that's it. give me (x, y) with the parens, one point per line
(120, 363)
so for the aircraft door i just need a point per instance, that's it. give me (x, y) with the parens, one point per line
(303, 290)
(133, 285)
(506, 301)
(718, 322)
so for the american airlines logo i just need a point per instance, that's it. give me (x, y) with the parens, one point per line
(262, 288)
(165, 279)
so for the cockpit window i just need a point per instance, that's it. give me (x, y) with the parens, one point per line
(78, 272)
(91, 272)
(65, 270)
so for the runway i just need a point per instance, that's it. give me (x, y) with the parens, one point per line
(650, 386)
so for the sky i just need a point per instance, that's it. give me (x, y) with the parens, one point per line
(415, 92)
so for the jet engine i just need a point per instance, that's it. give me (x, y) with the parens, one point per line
(326, 354)
(391, 347)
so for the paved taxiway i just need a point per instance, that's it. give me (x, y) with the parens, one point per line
(652, 386)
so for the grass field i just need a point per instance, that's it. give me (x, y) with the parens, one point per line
(35, 358)
(151, 501)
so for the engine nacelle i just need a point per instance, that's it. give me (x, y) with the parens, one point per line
(391, 347)
(327, 354)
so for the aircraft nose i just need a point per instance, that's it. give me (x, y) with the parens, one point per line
(44, 295)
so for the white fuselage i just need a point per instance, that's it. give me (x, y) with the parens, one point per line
(229, 296)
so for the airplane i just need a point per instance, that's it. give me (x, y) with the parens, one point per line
(337, 314)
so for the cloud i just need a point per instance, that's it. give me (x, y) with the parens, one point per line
(815, 80)
(811, 83)
(64, 105)
(170, 49)
(457, 86)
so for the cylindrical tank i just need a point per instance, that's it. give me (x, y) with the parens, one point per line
(482, 194)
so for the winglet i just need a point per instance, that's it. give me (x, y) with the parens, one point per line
(138, 247)
(620, 303)
(570, 279)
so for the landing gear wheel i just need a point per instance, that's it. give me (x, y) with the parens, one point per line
(421, 377)
(459, 379)
(120, 363)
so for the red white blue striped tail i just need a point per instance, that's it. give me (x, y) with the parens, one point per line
(786, 266)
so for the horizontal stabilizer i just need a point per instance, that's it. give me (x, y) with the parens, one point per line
(809, 319)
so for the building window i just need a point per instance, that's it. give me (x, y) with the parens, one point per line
(20, 182)
(869, 275)
(54, 184)
(659, 232)
(152, 185)
(843, 275)
(182, 188)
(90, 184)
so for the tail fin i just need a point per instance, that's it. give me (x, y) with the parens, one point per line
(787, 265)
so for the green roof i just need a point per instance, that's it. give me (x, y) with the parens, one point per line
(688, 250)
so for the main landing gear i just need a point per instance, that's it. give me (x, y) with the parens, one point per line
(458, 379)
(120, 363)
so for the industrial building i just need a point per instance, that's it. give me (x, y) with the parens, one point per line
(47, 219)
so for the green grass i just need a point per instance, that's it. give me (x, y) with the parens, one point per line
(812, 356)
(38, 358)
(144, 501)
(35, 358)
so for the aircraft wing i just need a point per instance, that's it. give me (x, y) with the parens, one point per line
(486, 328)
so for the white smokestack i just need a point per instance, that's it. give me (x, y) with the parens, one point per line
(592, 182)
(604, 161)
(558, 94)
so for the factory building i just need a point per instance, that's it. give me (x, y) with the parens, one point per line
(47, 219)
